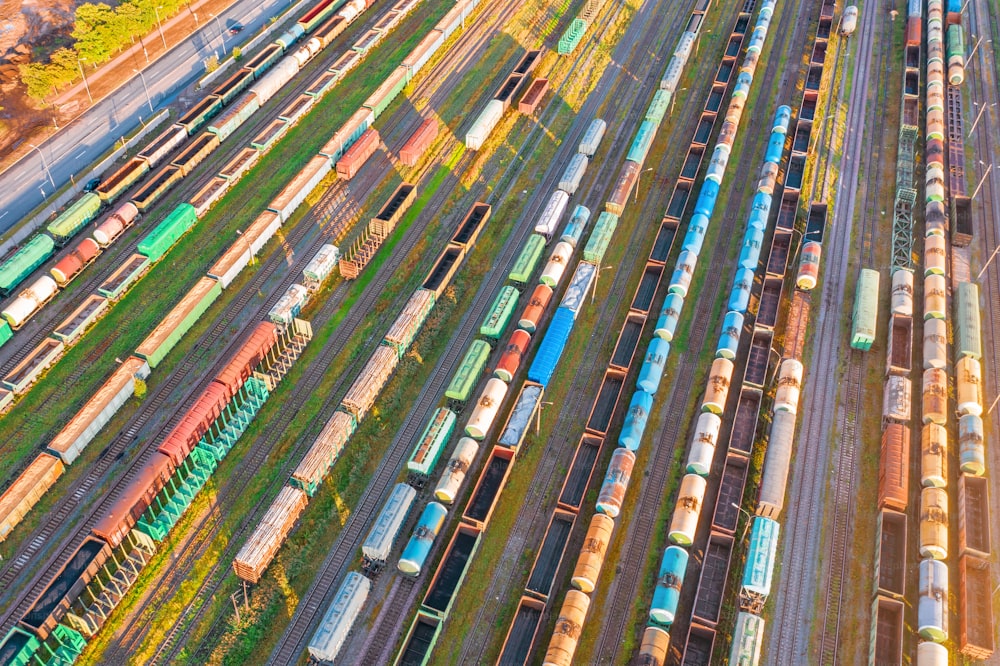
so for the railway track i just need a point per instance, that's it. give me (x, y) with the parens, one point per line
(206, 531)
(97, 474)
(983, 82)
(175, 639)
(844, 482)
(626, 91)
(42, 324)
(795, 608)
(635, 547)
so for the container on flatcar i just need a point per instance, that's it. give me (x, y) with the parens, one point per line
(776, 465)
(932, 606)
(484, 124)
(933, 456)
(378, 544)
(551, 215)
(616, 480)
(418, 548)
(717, 391)
(666, 324)
(574, 173)
(971, 445)
(969, 382)
(684, 520)
(635, 420)
(455, 471)
(864, 319)
(592, 553)
(568, 629)
(592, 137)
(934, 523)
(706, 437)
(485, 411)
(667, 593)
(535, 308)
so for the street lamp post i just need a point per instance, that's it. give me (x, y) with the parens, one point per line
(44, 164)
(747, 526)
(981, 181)
(160, 25)
(222, 35)
(987, 264)
(978, 116)
(597, 276)
(637, 179)
(143, 79)
(86, 85)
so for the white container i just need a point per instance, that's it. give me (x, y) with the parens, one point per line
(485, 411)
(776, 464)
(340, 617)
(556, 266)
(456, 469)
(282, 72)
(29, 300)
(552, 214)
(573, 174)
(321, 266)
(935, 343)
(935, 297)
(902, 292)
(969, 384)
(378, 543)
(483, 127)
(684, 520)
(578, 287)
(592, 137)
(706, 437)
(789, 386)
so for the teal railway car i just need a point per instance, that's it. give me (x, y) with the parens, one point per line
(528, 260)
(430, 446)
(28, 258)
(500, 314)
(865, 318)
(460, 389)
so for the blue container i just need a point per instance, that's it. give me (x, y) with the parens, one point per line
(759, 210)
(709, 194)
(635, 420)
(729, 341)
(775, 148)
(750, 254)
(680, 281)
(739, 297)
(699, 222)
(576, 225)
(551, 348)
(743, 82)
(782, 119)
(666, 325)
(652, 369)
(414, 556)
(693, 240)
(971, 445)
(668, 585)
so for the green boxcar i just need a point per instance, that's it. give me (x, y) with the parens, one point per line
(74, 218)
(643, 140)
(600, 238)
(460, 388)
(658, 107)
(177, 322)
(527, 261)
(163, 237)
(500, 314)
(420, 640)
(865, 318)
(28, 258)
(432, 443)
(5, 332)
(572, 37)
(19, 648)
(956, 41)
(380, 100)
(968, 327)
(200, 113)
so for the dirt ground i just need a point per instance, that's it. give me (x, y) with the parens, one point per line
(35, 28)
(28, 28)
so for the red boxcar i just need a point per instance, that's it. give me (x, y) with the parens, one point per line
(132, 502)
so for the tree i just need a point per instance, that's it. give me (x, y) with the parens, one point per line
(95, 32)
(140, 389)
(37, 78)
(211, 63)
(237, 53)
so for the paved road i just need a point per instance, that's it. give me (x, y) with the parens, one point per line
(49, 167)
